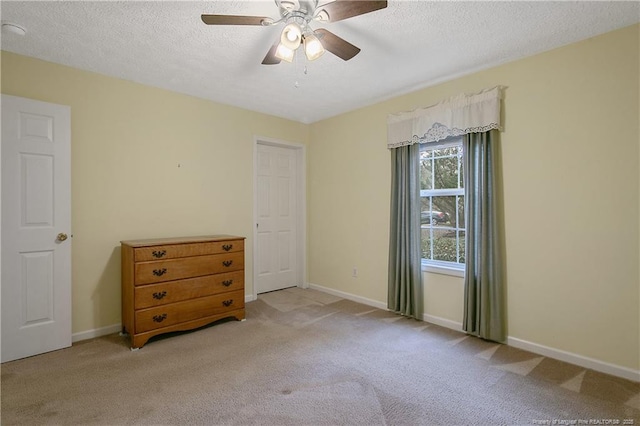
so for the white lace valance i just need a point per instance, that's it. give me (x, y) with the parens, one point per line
(456, 116)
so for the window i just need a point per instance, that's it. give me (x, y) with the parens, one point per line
(442, 205)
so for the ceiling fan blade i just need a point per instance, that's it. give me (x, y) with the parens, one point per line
(343, 9)
(234, 20)
(271, 58)
(336, 45)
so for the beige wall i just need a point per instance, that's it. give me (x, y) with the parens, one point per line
(127, 142)
(570, 159)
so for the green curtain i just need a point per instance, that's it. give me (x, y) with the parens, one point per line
(484, 304)
(405, 269)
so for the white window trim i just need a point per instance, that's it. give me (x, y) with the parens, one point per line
(449, 268)
(435, 266)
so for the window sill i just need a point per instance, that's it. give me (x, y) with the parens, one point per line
(443, 270)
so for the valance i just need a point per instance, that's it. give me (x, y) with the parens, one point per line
(456, 116)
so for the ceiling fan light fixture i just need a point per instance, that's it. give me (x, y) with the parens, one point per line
(284, 53)
(288, 5)
(10, 27)
(322, 15)
(291, 36)
(312, 47)
(296, 15)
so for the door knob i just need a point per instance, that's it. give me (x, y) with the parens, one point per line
(61, 237)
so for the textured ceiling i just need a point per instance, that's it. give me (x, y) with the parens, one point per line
(408, 45)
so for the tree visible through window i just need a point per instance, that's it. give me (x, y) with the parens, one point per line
(442, 203)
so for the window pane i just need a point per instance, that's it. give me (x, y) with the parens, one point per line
(445, 152)
(446, 172)
(460, 167)
(445, 245)
(426, 168)
(461, 238)
(442, 216)
(426, 242)
(425, 206)
(425, 152)
(444, 210)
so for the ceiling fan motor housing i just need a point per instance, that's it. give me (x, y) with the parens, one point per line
(306, 7)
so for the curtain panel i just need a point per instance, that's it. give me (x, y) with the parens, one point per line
(405, 259)
(484, 304)
(456, 116)
(477, 118)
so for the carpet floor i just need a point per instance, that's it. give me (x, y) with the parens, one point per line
(304, 357)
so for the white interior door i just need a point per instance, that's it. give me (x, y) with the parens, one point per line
(277, 218)
(36, 224)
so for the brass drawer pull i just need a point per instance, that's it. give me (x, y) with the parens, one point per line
(227, 283)
(227, 303)
(159, 254)
(227, 247)
(159, 272)
(159, 318)
(159, 295)
(227, 263)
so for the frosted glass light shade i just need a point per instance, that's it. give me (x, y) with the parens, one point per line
(312, 47)
(284, 53)
(291, 36)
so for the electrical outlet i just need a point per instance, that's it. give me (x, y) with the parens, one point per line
(354, 274)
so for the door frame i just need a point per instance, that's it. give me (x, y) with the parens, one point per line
(301, 210)
(0, 243)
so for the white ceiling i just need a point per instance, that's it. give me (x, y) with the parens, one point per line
(407, 46)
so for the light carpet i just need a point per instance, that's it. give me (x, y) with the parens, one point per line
(304, 357)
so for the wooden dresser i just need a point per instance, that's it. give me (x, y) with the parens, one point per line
(176, 284)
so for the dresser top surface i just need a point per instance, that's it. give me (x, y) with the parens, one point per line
(179, 240)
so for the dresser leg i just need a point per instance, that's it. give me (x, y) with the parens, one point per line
(135, 349)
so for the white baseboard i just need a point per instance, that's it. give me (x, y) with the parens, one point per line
(582, 361)
(96, 332)
(115, 328)
(572, 358)
(348, 296)
(443, 322)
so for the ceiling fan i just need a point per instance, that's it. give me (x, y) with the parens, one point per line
(297, 15)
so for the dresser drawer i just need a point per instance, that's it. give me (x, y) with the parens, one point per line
(175, 291)
(180, 283)
(188, 267)
(163, 316)
(172, 251)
